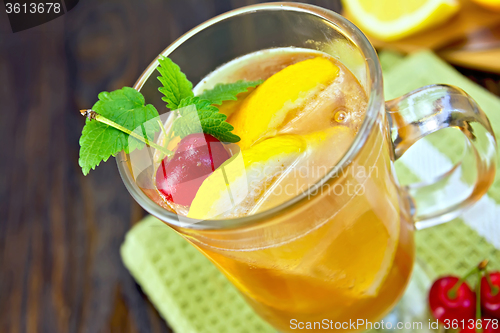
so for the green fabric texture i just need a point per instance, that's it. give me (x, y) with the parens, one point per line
(194, 297)
(185, 287)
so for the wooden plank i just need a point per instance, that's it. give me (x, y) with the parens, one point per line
(60, 232)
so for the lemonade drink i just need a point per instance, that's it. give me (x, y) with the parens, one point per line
(344, 254)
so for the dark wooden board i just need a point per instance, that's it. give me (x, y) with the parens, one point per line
(60, 232)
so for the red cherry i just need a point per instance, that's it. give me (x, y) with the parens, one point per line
(489, 302)
(491, 326)
(488, 325)
(196, 157)
(443, 307)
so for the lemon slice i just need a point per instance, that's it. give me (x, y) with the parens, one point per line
(324, 150)
(229, 107)
(389, 20)
(367, 247)
(236, 185)
(489, 4)
(267, 106)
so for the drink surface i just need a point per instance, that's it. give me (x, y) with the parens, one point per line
(294, 128)
(344, 254)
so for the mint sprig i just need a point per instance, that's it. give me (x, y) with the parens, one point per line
(175, 84)
(228, 91)
(205, 114)
(125, 107)
(112, 121)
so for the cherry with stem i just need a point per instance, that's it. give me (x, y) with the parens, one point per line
(490, 294)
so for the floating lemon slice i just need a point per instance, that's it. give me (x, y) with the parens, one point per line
(265, 175)
(236, 185)
(389, 20)
(362, 270)
(265, 109)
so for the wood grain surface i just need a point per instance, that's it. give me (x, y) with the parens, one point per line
(60, 232)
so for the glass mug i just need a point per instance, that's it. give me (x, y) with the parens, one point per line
(327, 254)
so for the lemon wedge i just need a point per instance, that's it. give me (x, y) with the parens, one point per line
(236, 185)
(389, 20)
(265, 109)
(270, 172)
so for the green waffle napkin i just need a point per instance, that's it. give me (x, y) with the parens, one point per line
(186, 288)
(194, 297)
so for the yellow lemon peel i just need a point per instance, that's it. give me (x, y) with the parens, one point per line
(237, 184)
(264, 110)
(390, 20)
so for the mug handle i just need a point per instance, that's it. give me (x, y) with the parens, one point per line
(427, 110)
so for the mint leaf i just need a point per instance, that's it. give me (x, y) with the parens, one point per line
(228, 91)
(175, 84)
(205, 114)
(125, 107)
